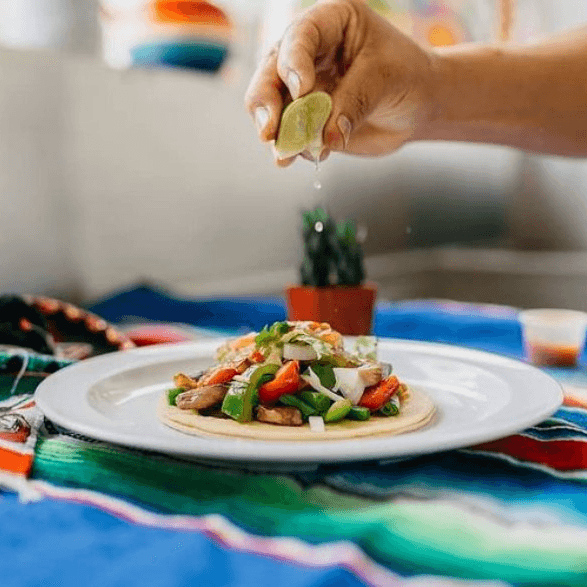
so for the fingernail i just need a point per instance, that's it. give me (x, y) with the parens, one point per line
(345, 127)
(274, 152)
(261, 118)
(293, 83)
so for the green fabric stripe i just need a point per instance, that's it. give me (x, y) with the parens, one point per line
(28, 383)
(156, 480)
(409, 536)
(36, 362)
(26, 386)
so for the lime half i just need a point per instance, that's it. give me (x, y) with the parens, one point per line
(302, 123)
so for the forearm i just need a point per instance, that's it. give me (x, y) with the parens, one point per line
(532, 97)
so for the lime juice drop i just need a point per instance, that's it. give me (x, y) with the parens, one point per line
(317, 182)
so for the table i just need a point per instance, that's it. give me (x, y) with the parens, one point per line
(511, 512)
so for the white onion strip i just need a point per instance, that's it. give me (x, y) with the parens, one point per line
(314, 381)
(316, 424)
(299, 352)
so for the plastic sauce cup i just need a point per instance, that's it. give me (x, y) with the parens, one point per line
(553, 337)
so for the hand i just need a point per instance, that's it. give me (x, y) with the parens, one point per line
(380, 81)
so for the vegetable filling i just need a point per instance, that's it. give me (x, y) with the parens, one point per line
(292, 374)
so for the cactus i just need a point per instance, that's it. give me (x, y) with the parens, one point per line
(332, 254)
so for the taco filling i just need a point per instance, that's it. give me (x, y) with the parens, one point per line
(298, 377)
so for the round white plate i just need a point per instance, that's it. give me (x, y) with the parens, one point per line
(479, 397)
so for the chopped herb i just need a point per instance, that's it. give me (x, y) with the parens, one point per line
(366, 347)
(172, 395)
(325, 373)
(271, 334)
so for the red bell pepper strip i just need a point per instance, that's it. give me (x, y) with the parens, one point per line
(256, 357)
(376, 396)
(287, 380)
(223, 375)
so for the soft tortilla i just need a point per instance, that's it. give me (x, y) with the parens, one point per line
(415, 413)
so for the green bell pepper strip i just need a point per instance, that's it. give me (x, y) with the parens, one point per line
(233, 402)
(295, 402)
(358, 413)
(172, 395)
(339, 361)
(317, 400)
(391, 408)
(242, 396)
(338, 411)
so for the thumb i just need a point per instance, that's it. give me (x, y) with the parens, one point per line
(355, 97)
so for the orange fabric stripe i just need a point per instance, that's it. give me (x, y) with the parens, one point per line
(189, 12)
(574, 402)
(15, 462)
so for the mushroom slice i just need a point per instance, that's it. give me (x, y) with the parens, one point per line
(370, 374)
(242, 365)
(185, 381)
(201, 398)
(280, 416)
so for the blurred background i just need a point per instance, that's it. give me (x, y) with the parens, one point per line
(126, 156)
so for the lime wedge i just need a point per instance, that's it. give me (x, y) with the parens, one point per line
(302, 123)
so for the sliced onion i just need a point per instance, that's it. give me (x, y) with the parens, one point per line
(350, 383)
(316, 424)
(299, 352)
(314, 381)
(386, 370)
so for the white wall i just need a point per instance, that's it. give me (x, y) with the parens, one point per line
(550, 209)
(171, 183)
(110, 177)
(34, 199)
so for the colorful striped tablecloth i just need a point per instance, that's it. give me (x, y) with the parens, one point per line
(511, 512)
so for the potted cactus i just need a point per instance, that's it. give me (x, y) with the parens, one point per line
(332, 277)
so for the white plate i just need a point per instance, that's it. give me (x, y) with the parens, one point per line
(479, 397)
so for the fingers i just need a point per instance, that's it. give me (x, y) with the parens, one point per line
(291, 66)
(356, 96)
(286, 162)
(319, 32)
(323, 155)
(263, 99)
(297, 57)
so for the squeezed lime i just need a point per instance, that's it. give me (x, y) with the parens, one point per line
(302, 124)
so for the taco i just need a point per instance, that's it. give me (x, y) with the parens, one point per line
(295, 381)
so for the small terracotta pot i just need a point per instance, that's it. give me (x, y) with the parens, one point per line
(348, 309)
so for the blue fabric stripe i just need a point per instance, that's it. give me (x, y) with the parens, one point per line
(556, 431)
(54, 543)
(576, 416)
(228, 315)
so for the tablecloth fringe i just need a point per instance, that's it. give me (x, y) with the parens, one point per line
(25, 489)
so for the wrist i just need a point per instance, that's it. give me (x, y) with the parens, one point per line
(465, 92)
